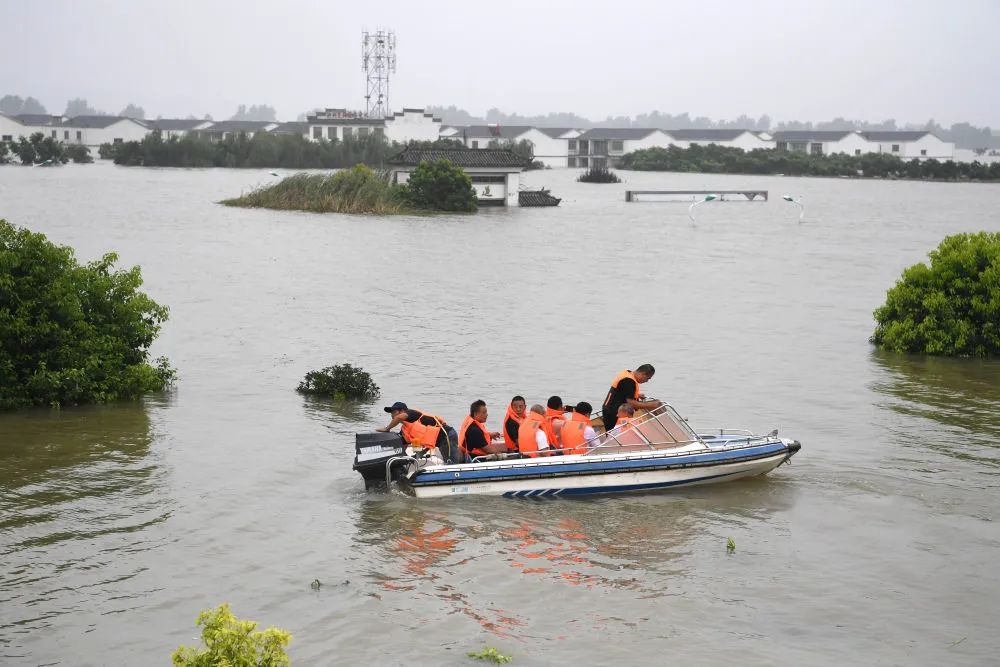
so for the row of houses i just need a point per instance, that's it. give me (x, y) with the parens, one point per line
(605, 146)
(553, 146)
(330, 124)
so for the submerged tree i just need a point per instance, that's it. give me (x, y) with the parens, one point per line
(951, 307)
(72, 333)
(340, 381)
(439, 185)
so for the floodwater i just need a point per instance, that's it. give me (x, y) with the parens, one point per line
(878, 545)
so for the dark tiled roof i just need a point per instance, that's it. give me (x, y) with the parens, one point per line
(887, 135)
(313, 120)
(462, 157)
(294, 127)
(493, 131)
(537, 198)
(175, 123)
(239, 125)
(705, 135)
(38, 119)
(554, 132)
(617, 133)
(811, 135)
(95, 121)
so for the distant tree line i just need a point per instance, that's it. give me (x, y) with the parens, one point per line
(714, 159)
(259, 151)
(965, 135)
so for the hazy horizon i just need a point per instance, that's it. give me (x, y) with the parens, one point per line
(911, 61)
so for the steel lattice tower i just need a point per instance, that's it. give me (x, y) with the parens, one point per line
(378, 60)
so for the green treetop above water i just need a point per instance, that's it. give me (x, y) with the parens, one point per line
(72, 333)
(950, 308)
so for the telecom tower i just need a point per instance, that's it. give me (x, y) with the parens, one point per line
(378, 60)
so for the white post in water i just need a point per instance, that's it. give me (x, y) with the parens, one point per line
(700, 201)
(797, 202)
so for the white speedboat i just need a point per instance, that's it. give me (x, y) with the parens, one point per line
(654, 452)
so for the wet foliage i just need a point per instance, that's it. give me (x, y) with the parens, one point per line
(439, 185)
(229, 640)
(341, 381)
(714, 159)
(598, 175)
(355, 190)
(951, 307)
(72, 333)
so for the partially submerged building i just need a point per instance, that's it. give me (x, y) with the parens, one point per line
(495, 173)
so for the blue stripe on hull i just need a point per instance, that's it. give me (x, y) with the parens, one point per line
(621, 488)
(594, 467)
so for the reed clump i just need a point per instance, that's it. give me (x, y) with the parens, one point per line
(355, 190)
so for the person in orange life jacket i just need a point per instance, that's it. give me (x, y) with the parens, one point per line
(623, 431)
(554, 419)
(474, 438)
(577, 432)
(420, 428)
(625, 391)
(512, 422)
(531, 438)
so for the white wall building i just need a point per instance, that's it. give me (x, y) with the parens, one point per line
(495, 173)
(605, 146)
(225, 129)
(747, 140)
(96, 130)
(548, 143)
(11, 128)
(908, 145)
(90, 131)
(401, 127)
(822, 142)
(177, 127)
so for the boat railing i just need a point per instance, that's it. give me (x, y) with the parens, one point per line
(658, 428)
(735, 431)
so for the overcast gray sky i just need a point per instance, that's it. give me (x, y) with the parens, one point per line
(807, 60)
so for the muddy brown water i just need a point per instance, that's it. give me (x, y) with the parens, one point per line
(878, 545)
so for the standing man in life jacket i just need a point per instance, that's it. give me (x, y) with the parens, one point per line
(512, 422)
(555, 417)
(577, 432)
(421, 429)
(625, 391)
(474, 438)
(531, 438)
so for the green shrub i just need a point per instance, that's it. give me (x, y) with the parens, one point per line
(340, 381)
(713, 158)
(354, 190)
(78, 153)
(439, 185)
(232, 642)
(951, 307)
(72, 333)
(598, 175)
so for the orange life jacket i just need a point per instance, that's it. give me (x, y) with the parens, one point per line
(511, 445)
(626, 374)
(469, 421)
(526, 442)
(573, 438)
(421, 435)
(550, 430)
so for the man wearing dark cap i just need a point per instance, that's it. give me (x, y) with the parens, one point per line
(421, 429)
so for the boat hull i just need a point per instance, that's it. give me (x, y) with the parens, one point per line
(602, 474)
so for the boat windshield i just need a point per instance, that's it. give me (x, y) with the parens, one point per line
(658, 429)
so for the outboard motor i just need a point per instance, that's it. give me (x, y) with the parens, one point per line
(372, 451)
